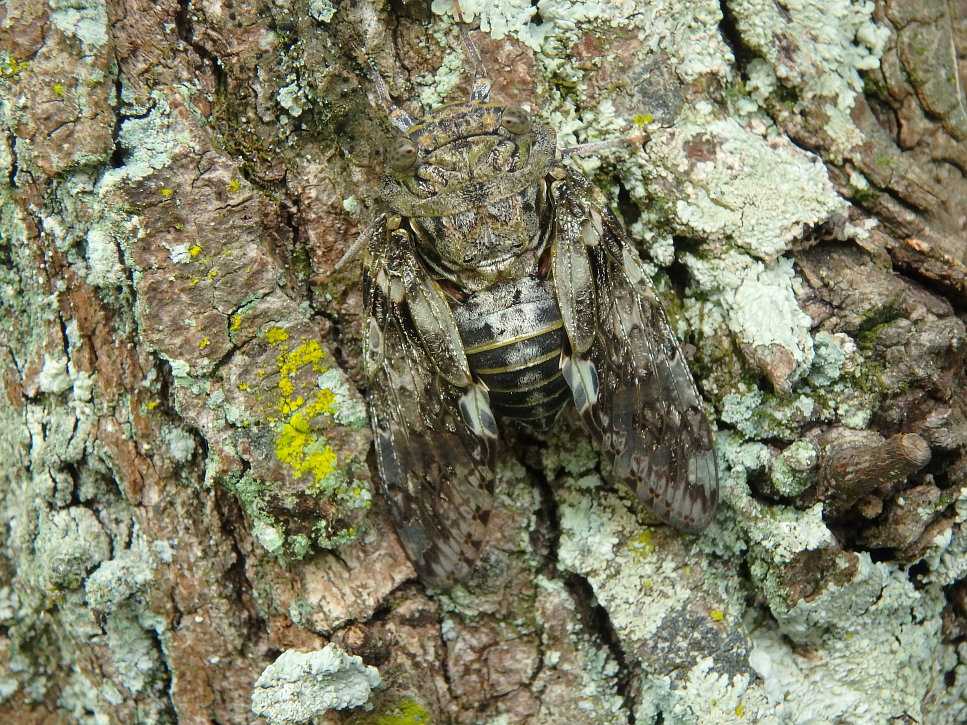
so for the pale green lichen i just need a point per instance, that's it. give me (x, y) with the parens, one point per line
(792, 470)
(322, 10)
(831, 352)
(594, 691)
(777, 533)
(653, 594)
(133, 651)
(70, 543)
(300, 686)
(498, 19)
(760, 308)
(707, 696)
(54, 376)
(826, 46)
(947, 556)
(436, 85)
(271, 537)
(292, 99)
(149, 142)
(181, 443)
(348, 407)
(852, 624)
(85, 20)
(103, 259)
(118, 579)
(873, 664)
(723, 197)
(252, 494)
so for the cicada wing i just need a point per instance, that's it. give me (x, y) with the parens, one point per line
(437, 476)
(648, 414)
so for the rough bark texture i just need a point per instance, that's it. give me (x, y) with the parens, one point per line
(183, 447)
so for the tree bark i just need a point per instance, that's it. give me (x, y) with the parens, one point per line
(186, 491)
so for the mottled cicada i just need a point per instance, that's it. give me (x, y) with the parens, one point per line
(499, 290)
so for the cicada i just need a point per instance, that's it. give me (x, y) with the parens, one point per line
(500, 291)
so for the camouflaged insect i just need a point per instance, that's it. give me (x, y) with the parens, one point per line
(499, 290)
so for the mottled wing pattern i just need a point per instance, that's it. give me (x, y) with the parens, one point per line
(437, 476)
(648, 414)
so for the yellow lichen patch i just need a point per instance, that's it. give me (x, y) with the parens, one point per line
(194, 250)
(298, 442)
(642, 545)
(306, 353)
(642, 119)
(58, 89)
(716, 615)
(739, 710)
(11, 67)
(166, 192)
(276, 335)
(212, 274)
(243, 386)
(151, 405)
(302, 449)
(288, 407)
(203, 343)
(235, 323)
(286, 388)
(234, 185)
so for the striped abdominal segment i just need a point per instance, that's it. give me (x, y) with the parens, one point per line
(514, 338)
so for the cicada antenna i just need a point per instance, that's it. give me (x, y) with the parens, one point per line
(351, 253)
(587, 149)
(480, 86)
(642, 137)
(399, 118)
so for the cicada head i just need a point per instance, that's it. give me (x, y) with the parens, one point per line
(467, 177)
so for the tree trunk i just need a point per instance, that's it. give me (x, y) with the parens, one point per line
(183, 440)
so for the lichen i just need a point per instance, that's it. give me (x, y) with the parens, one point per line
(119, 578)
(70, 543)
(872, 665)
(792, 469)
(151, 142)
(103, 259)
(299, 686)
(498, 19)
(54, 375)
(818, 49)
(133, 651)
(760, 309)
(299, 442)
(85, 20)
(291, 98)
(722, 196)
(649, 582)
(322, 10)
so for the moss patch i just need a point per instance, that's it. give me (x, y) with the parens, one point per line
(405, 712)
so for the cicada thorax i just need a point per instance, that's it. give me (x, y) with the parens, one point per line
(514, 337)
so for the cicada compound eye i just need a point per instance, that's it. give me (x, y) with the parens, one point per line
(402, 155)
(515, 120)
